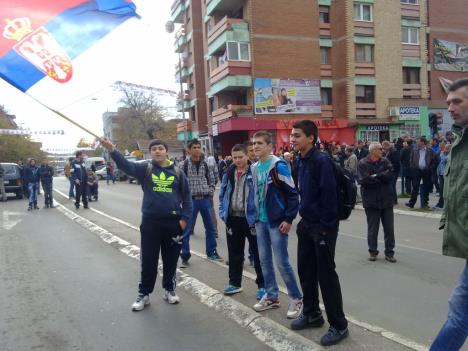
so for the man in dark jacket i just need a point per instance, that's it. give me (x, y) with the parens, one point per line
(391, 154)
(317, 233)
(166, 209)
(32, 178)
(80, 178)
(46, 173)
(422, 161)
(405, 156)
(361, 150)
(376, 177)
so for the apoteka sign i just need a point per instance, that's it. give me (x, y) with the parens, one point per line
(408, 113)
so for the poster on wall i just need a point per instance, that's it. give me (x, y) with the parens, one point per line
(450, 56)
(283, 96)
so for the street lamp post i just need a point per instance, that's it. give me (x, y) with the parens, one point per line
(170, 30)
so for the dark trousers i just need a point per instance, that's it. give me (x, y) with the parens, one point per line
(93, 191)
(237, 231)
(418, 176)
(316, 266)
(81, 192)
(394, 181)
(440, 203)
(48, 198)
(406, 180)
(374, 216)
(163, 236)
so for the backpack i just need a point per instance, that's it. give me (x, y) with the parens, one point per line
(346, 189)
(205, 165)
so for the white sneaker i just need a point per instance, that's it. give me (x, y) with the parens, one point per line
(171, 297)
(140, 302)
(295, 308)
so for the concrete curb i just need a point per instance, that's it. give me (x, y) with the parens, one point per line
(409, 213)
(267, 331)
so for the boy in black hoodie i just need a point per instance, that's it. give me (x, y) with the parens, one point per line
(166, 209)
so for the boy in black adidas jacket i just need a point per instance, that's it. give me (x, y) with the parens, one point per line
(166, 209)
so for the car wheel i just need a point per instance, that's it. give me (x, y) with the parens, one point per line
(100, 177)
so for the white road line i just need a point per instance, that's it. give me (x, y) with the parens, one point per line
(373, 328)
(409, 213)
(271, 333)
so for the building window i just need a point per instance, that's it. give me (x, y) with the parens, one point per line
(324, 14)
(365, 94)
(410, 35)
(411, 75)
(364, 53)
(238, 51)
(325, 56)
(412, 2)
(369, 135)
(326, 96)
(412, 130)
(363, 12)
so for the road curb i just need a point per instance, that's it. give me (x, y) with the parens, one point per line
(409, 213)
(271, 333)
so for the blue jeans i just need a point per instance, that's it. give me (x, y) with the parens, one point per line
(204, 207)
(454, 332)
(71, 189)
(33, 188)
(271, 238)
(110, 177)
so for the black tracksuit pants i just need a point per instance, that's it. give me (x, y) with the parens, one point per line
(374, 216)
(81, 192)
(48, 197)
(316, 266)
(237, 231)
(159, 235)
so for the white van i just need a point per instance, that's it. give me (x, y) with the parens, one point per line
(98, 162)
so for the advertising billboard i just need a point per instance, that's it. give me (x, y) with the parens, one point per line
(450, 56)
(284, 96)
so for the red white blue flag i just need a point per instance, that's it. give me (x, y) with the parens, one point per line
(41, 40)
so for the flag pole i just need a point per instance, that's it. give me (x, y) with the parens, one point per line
(66, 118)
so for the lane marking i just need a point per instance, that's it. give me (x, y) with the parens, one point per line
(7, 222)
(269, 332)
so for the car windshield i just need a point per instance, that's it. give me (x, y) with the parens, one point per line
(9, 169)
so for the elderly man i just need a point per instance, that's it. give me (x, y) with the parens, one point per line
(376, 178)
(453, 334)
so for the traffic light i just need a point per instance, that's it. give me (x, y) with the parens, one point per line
(439, 121)
(433, 123)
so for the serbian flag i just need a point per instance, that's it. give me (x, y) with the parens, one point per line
(45, 43)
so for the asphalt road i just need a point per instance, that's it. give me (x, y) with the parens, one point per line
(408, 298)
(62, 288)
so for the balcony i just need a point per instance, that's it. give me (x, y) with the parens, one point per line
(365, 110)
(177, 11)
(325, 30)
(410, 10)
(364, 69)
(181, 39)
(231, 111)
(230, 68)
(412, 91)
(222, 6)
(409, 50)
(228, 29)
(325, 71)
(327, 111)
(364, 28)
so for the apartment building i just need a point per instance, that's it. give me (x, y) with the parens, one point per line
(360, 69)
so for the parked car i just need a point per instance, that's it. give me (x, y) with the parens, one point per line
(101, 173)
(12, 179)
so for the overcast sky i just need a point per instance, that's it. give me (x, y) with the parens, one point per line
(150, 62)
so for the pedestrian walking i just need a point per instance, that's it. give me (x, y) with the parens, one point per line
(46, 173)
(317, 233)
(238, 212)
(202, 186)
(32, 178)
(68, 175)
(422, 161)
(166, 209)
(277, 202)
(406, 177)
(110, 173)
(454, 332)
(80, 179)
(376, 176)
(441, 168)
(2, 184)
(23, 183)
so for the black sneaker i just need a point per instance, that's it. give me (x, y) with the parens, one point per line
(185, 263)
(409, 205)
(333, 336)
(77, 206)
(305, 322)
(86, 207)
(390, 259)
(373, 257)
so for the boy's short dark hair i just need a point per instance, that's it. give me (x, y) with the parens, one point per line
(239, 147)
(193, 142)
(264, 135)
(157, 142)
(308, 127)
(78, 153)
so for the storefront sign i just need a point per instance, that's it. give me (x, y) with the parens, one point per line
(286, 96)
(408, 113)
(378, 128)
(214, 130)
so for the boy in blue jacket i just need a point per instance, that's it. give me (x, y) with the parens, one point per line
(166, 209)
(32, 178)
(277, 202)
(237, 210)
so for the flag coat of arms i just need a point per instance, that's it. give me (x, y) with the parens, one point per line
(41, 40)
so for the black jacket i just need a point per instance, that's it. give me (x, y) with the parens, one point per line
(376, 183)
(405, 155)
(394, 157)
(361, 153)
(46, 173)
(431, 160)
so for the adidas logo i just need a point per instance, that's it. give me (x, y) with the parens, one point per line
(163, 184)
